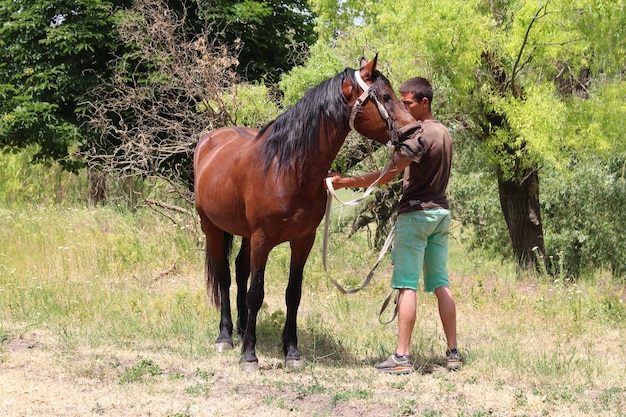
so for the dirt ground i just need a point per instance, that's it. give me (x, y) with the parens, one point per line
(35, 381)
(39, 379)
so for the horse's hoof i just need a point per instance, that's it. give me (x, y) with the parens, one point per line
(223, 346)
(249, 366)
(293, 363)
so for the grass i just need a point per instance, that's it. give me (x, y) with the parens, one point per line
(111, 309)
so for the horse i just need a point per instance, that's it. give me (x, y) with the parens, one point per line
(267, 186)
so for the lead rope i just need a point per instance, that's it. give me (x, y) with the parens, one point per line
(388, 240)
(386, 304)
(331, 193)
(369, 190)
(329, 202)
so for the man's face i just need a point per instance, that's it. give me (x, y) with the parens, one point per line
(418, 109)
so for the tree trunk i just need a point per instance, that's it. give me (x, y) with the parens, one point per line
(520, 206)
(97, 186)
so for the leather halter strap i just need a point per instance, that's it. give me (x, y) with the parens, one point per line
(360, 102)
(395, 133)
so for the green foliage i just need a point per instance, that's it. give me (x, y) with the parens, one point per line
(52, 54)
(598, 121)
(474, 202)
(253, 105)
(335, 17)
(532, 84)
(582, 202)
(325, 63)
(537, 47)
(273, 33)
(23, 184)
(584, 216)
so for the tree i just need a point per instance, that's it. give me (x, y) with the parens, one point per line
(512, 79)
(171, 86)
(54, 56)
(273, 34)
(51, 54)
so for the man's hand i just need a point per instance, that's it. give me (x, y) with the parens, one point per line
(336, 179)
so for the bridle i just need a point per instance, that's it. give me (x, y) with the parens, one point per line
(396, 136)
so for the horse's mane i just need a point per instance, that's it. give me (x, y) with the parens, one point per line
(294, 135)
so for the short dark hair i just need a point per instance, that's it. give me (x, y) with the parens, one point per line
(419, 87)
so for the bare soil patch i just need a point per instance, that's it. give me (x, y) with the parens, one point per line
(37, 378)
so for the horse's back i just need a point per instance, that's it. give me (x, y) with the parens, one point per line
(218, 148)
(221, 137)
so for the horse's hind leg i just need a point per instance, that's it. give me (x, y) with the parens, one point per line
(299, 253)
(218, 246)
(242, 273)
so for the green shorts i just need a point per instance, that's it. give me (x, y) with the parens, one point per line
(421, 241)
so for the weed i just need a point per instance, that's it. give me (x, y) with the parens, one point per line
(520, 398)
(269, 399)
(612, 398)
(98, 409)
(184, 413)
(407, 408)
(399, 384)
(4, 335)
(204, 375)
(432, 413)
(202, 389)
(346, 395)
(313, 388)
(138, 372)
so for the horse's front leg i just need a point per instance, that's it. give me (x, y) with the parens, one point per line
(242, 273)
(299, 253)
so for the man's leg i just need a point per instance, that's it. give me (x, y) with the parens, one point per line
(447, 312)
(406, 319)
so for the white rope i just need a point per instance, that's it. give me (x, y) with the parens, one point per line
(354, 202)
(329, 203)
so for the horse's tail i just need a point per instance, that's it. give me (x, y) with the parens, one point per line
(213, 289)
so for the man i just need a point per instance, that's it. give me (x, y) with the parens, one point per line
(421, 230)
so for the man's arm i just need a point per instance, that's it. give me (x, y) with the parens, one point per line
(365, 180)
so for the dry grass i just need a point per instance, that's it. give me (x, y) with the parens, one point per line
(103, 313)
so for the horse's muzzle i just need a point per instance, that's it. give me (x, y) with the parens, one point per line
(411, 144)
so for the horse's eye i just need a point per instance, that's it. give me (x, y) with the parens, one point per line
(386, 96)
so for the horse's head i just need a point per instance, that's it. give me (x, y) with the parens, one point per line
(378, 113)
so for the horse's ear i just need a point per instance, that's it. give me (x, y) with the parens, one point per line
(363, 62)
(368, 68)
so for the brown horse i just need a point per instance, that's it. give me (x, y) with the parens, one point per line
(268, 187)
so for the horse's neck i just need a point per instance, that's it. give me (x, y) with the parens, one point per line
(330, 145)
